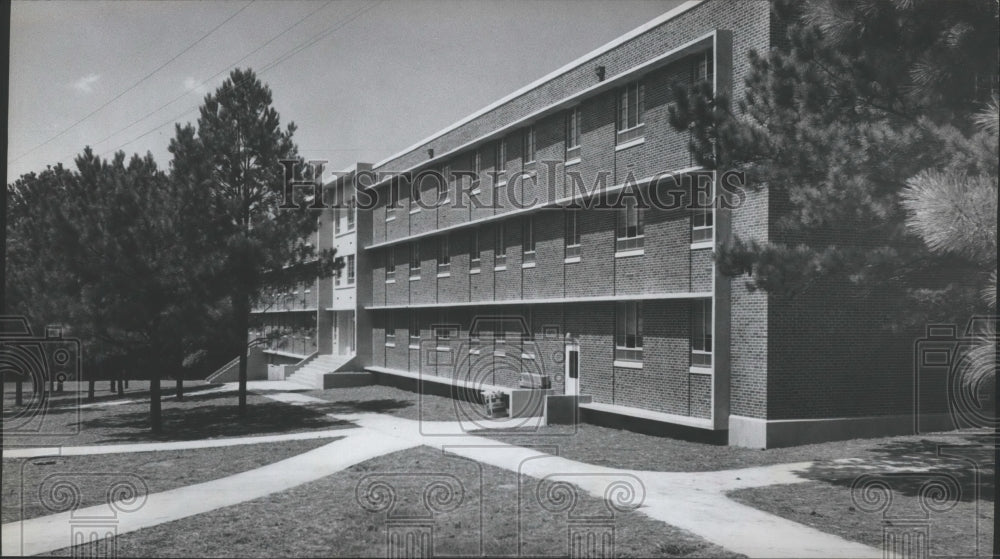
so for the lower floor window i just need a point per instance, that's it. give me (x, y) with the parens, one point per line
(628, 331)
(701, 333)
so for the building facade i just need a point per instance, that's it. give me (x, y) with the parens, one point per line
(509, 250)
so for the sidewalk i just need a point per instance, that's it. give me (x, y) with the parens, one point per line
(49, 533)
(695, 501)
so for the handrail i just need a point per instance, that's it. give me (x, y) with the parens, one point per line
(251, 344)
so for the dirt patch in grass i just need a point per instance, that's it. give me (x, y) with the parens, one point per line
(619, 448)
(198, 416)
(388, 400)
(31, 485)
(964, 530)
(463, 509)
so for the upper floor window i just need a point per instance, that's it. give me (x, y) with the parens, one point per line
(631, 101)
(415, 260)
(444, 193)
(628, 331)
(350, 216)
(703, 69)
(415, 198)
(572, 237)
(390, 207)
(499, 247)
(475, 252)
(701, 333)
(390, 264)
(336, 220)
(501, 157)
(350, 269)
(529, 145)
(444, 256)
(477, 168)
(701, 225)
(528, 241)
(629, 231)
(573, 134)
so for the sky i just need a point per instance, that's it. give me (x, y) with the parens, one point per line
(362, 80)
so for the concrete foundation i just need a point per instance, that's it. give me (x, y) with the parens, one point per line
(752, 432)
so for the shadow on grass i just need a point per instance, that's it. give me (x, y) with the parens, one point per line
(969, 460)
(206, 421)
(58, 405)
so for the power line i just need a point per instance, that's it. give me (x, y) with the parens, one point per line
(217, 74)
(281, 58)
(136, 84)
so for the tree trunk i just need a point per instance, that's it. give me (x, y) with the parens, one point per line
(155, 417)
(121, 388)
(241, 304)
(180, 389)
(18, 392)
(91, 385)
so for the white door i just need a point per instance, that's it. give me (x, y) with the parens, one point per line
(571, 362)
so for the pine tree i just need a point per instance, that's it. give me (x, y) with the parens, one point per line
(835, 120)
(234, 157)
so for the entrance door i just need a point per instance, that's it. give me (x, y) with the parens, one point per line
(572, 364)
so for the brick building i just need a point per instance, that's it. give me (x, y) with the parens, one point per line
(502, 249)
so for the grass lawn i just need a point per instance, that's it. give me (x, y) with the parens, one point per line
(203, 416)
(489, 511)
(151, 471)
(619, 448)
(964, 529)
(388, 400)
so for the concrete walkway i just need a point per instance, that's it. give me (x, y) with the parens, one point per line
(692, 501)
(172, 445)
(49, 533)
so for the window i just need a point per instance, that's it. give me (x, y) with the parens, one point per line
(703, 67)
(414, 331)
(390, 208)
(475, 252)
(350, 269)
(630, 108)
(336, 220)
(701, 225)
(390, 265)
(415, 198)
(501, 160)
(444, 257)
(529, 145)
(477, 167)
(442, 190)
(572, 235)
(628, 331)
(499, 248)
(701, 333)
(528, 241)
(340, 277)
(573, 134)
(415, 260)
(629, 235)
(443, 333)
(390, 329)
(350, 216)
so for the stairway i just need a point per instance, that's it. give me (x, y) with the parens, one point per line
(311, 372)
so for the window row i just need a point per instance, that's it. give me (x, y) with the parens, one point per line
(630, 127)
(628, 332)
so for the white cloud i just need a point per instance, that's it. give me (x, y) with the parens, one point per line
(86, 83)
(193, 84)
